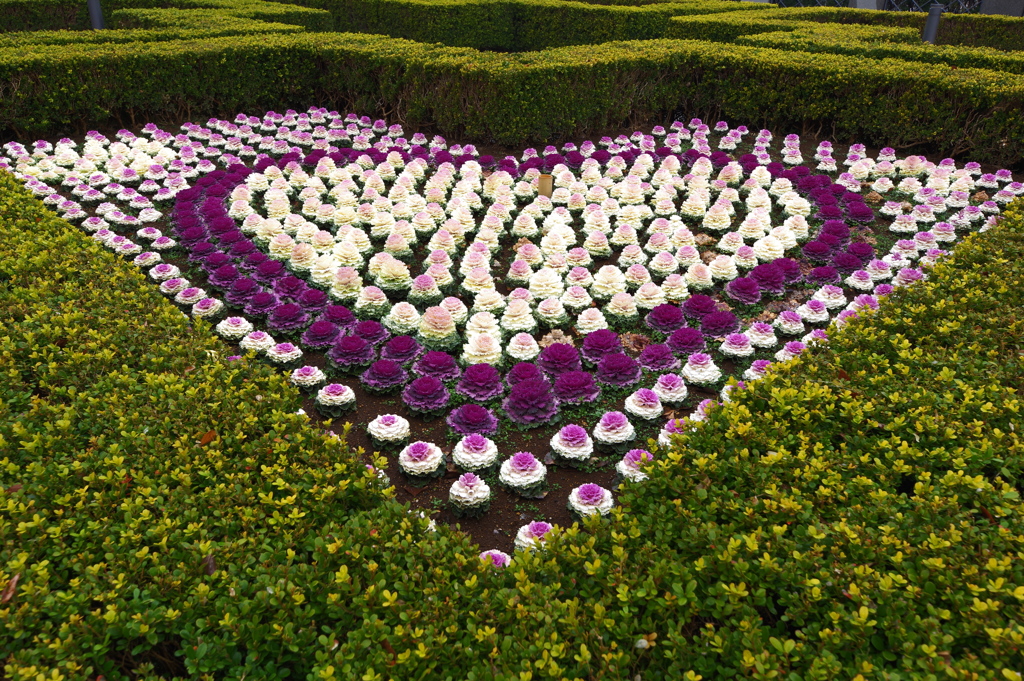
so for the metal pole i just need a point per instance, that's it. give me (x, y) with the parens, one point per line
(96, 15)
(931, 25)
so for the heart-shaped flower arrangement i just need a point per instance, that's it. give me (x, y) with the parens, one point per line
(650, 268)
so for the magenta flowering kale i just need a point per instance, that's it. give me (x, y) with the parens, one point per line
(696, 306)
(816, 251)
(600, 343)
(790, 269)
(261, 304)
(371, 331)
(618, 369)
(686, 341)
(864, 251)
(319, 336)
(472, 418)
(287, 317)
(350, 353)
(383, 376)
(743, 290)
(339, 315)
(312, 300)
(665, 318)
(223, 276)
(576, 387)
(426, 396)
(401, 349)
(860, 212)
(437, 363)
(718, 324)
(769, 278)
(289, 288)
(658, 357)
(480, 382)
(269, 271)
(823, 275)
(240, 291)
(836, 228)
(558, 358)
(523, 371)
(531, 403)
(846, 263)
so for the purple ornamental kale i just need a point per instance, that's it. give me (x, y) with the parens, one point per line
(371, 331)
(286, 318)
(523, 371)
(696, 306)
(790, 269)
(383, 376)
(472, 418)
(426, 394)
(289, 288)
(240, 291)
(480, 382)
(270, 271)
(320, 336)
(339, 315)
(576, 387)
(531, 403)
(261, 304)
(823, 275)
(864, 251)
(860, 212)
(718, 324)
(223, 276)
(350, 353)
(816, 251)
(312, 300)
(600, 343)
(401, 349)
(436, 363)
(836, 228)
(686, 341)
(665, 318)
(846, 263)
(254, 260)
(558, 358)
(743, 290)
(618, 369)
(769, 278)
(658, 357)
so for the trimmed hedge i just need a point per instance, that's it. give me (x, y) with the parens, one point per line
(515, 99)
(969, 30)
(856, 514)
(55, 15)
(874, 43)
(512, 25)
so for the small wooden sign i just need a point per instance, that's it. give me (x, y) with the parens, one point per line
(545, 185)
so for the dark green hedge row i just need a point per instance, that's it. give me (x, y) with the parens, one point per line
(854, 515)
(223, 26)
(512, 25)
(878, 44)
(521, 98)
(55, 15)
(969, 30)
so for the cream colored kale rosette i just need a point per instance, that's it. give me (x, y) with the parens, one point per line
(524, 475)
(469, 496)
(388, 430)
(421, 461)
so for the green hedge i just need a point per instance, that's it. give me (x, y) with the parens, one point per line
(56, 15)
(223, 27)
(512, 25)
(969, 30)
(521, 98)
(834, 39)
(857, 512)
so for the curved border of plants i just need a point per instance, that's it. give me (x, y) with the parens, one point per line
(857, 512)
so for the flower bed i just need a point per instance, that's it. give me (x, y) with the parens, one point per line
(731, 425)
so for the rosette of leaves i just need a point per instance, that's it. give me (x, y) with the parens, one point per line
(426, 396)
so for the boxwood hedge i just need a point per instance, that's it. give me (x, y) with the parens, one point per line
(164, 512)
